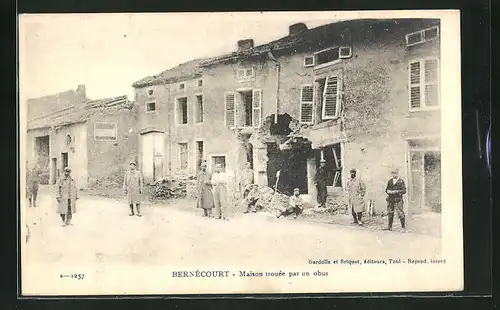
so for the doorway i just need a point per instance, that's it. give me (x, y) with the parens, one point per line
(332, 156)
(425, 181)
(54, 172)
(64, 161)
(152, 147)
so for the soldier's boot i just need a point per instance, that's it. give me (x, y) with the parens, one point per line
(131, 210)
(391, 219)
(360, 222)
(403, 224)
(138, 207)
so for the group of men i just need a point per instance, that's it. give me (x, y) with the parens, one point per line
(213, 192)
(356, 191)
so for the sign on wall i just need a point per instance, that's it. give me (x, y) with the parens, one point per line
(105, 131)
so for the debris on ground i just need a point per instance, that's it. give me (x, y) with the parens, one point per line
(171, 187)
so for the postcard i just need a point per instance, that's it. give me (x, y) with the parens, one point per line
(240, 153)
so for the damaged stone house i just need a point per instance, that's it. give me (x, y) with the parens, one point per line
(360, 94)
(95, 138)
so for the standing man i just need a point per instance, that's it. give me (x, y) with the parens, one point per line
(132, 187)
(32, 183)
(219, 186)
(356, 191)
(320, 181)
(205, 197)
(395, 190)
(246, 180)
(66, 197)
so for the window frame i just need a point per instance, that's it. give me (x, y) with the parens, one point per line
(245, 78)
(326, 64)
(196, 109)
(423, 83)
(147, 103)
(183, 88)
(176, 111)
(422, 36)
(307, 102)
(313, 61)
(199, 83)
(179, 162)
(150, 89)
(212, 155)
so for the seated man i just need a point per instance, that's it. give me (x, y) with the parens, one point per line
(294, 205)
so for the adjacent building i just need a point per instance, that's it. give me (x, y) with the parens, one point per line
(360, 94)
(96, 139)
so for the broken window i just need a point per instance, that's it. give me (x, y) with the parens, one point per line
(199, 109)
(424, 83)
(182, 110)
(183, 156)
(306, 103)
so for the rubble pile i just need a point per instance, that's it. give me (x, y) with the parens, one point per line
(333, 206)
(111, 180)
(263, 198)
(171, 187)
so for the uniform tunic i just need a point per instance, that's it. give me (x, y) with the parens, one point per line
(132, 186)
(356, 191)
(395, 201)
(204, 190)
(321, 180)
(66, 190)
(32, 183)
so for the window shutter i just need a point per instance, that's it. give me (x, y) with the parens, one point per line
(306, 104)
(230, 109)
(257, 107)
(331, 98)
(414, 76)
(431, 82)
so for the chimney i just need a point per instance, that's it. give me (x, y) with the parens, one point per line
(297, 28)
(81, 92)
(244, 45)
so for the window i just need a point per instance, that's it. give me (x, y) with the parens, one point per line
(331, 98)
(182, 86)
(199, 109)
(422, 36)
(182, 110)
(183, 156)
(330, 55)
(332, 156)
(219, 159)
(245, 74)
(306, 104)
(199, 154)
(424, 83)
(309, 61)
(200, 83)
(150, 106)
(150, 92)
(230, 109)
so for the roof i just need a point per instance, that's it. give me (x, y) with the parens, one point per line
(318, 37)
(184, 71)
(79, 113)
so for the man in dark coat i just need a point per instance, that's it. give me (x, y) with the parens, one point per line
(132, 187)
(32, 183)
(320, 181)
(66, 197)
(395, 190)
(204, 191)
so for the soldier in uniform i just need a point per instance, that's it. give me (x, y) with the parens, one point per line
(320, 181)
(205, 196)
(132, 187)
(32, 183)
(395, 190)
(356, 191)
(66, 197)
(219, 186)
(295, 205)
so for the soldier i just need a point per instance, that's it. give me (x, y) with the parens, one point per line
(132, 187)
(219, 187)
(356, 191)
(320, 182)
(395, 190)
(66, 197)
(295, 205)
(32, 183)
(205, 196)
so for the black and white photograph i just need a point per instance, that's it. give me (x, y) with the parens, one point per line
(240, 153)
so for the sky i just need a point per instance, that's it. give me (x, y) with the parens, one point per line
(108, 52)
